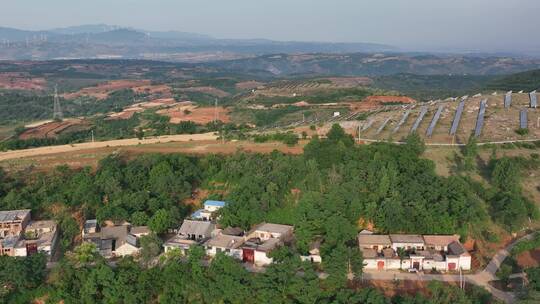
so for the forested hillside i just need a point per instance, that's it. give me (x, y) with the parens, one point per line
(330, 192)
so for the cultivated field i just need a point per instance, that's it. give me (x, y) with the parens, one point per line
(102, 91)
(54, 129)
(199, 115)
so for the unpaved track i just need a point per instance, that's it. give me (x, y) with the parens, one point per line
(103, 144)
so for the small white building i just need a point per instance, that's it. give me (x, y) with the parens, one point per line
(314, 252)
(209, 210)
(45, 233)
(228, 244)
(180, 243)
(262, 239)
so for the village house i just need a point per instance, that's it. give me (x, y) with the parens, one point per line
(196, 230)
(13, 222)
(19, 236)
(262, 239)
(314, 252)
(39, 236)
(209, 210)
(228, 244)
(405, 251)
(190, 233)
(114, 240)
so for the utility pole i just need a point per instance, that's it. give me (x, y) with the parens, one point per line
(93, 136)
(57, 110)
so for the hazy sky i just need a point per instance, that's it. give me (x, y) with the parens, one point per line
(416, 24)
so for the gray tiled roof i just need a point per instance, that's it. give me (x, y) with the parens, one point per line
(118, 233)
(273, 228)
(455, 248)
(12, 215)
(406, 238)
(374, 239)
(440, 240)
(196, 227)
(225, 241)
(140, 230)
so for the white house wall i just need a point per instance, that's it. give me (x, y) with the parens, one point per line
(395, 246)
(261, 259)
(125, 250)
(20, 251)
(464, 262)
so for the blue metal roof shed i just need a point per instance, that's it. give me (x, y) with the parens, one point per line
(215, 203)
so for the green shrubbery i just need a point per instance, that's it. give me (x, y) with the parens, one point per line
(289, 138)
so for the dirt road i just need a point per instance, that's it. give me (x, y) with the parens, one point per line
(103, 144)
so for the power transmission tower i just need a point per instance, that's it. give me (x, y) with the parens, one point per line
(57, 111)
(216, 114)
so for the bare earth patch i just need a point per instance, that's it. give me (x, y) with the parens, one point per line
(198, 115)
(529, 259)
(21, 81)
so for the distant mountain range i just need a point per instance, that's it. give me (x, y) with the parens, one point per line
(108, 41)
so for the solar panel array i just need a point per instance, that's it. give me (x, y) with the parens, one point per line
(508, 99)
(480, 119)
(533, 98)
(402, 121)
(423, 112)
(383, 125)
(434, 121)
(457, 117)
(367, 125)
(523, 123)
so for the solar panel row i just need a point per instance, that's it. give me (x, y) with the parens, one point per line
(523, 123)
(457, 117)
(480, 119)
(423, 112)
(402, 121)
(383, 125)
(434, 121)
(534, 99)
(367, 125)
(508, 99)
